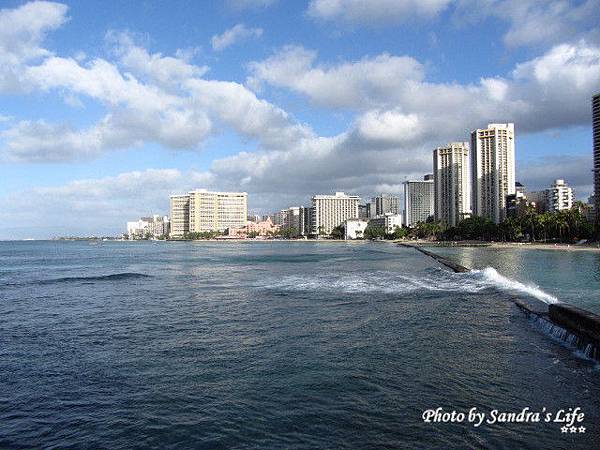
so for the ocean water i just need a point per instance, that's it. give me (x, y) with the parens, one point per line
(571, 276)
(273, 345)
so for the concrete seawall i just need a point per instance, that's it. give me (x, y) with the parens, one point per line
(574, 326)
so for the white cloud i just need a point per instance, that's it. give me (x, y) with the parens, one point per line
(22, 31)
(163, 70)
(368, 81)
(375, 11)
(549, 91)
(233, 35)
(389, 126)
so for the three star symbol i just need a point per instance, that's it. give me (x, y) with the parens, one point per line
(566, 429)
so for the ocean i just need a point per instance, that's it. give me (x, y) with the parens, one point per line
(285, 345)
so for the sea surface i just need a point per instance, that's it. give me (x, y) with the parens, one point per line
(282, 345)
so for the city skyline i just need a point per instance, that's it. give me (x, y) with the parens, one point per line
(106, 113)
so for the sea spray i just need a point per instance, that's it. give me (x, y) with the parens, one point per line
(492, 276)
(434, 280)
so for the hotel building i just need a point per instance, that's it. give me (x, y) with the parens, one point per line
(451, 183)
(330, 211)
(384, 204)
(492, 170)
(180, 215)
(596, 132)
(418, 200)
(202, 211)
(559, 196)
(217, 211)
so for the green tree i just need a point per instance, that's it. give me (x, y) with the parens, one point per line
(374, 231)
(338, 232)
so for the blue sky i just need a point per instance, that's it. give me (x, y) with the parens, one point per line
(107, 108)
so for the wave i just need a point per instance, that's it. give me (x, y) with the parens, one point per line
(493, 277)
(387, 282)
(93, 278)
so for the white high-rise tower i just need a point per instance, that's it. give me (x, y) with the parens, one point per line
(492, 170)
(451, 183)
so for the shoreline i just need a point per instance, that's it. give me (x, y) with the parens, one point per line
(501, 245)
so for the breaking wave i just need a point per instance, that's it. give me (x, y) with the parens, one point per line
(93, 278)
(435, 280)
(507, 284)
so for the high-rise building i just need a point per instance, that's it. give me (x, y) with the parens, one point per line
(559, 196)
(291, 221)
(306, 220)
(451, 183)
(384, 204)
(148, 227)
(596, 132)
(202, 210)
(180, 215)
(418, 200)
(217, 211)
(331, 211)
(492, 170)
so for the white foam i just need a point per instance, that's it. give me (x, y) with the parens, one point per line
(401, 283)
(492, 276)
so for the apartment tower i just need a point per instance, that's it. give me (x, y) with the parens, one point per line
(217, 211)
(180, 215)
(451, 183)
(492, 170)
(418, 200)
(329, 211)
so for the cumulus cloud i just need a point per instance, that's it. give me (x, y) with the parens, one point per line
(233, 35)
(548, 91)
(22, 31)
(375, 11)
(369, 81)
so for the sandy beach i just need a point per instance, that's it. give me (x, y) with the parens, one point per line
(594, 247)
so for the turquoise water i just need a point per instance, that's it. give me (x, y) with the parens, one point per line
(271, 345)
(569, 276)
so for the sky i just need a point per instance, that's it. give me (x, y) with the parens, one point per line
(107, 108)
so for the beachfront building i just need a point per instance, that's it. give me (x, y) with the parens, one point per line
(355, 228)
(148, 227)
(559, 196)
(596, 139)
(388, 222)
(492, 170)
(451, 183)
(254, 229)
(180, 215)
(384, 204)
(305, 219)
(217, 211)
(292, 221)
(331, 211)
(418, 200)
(201, 211)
